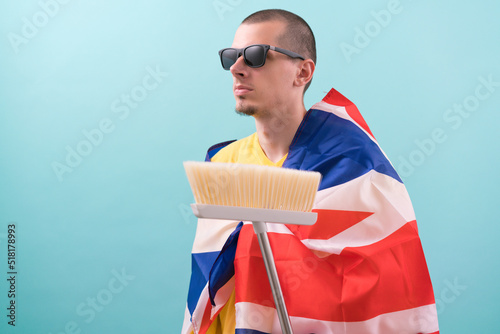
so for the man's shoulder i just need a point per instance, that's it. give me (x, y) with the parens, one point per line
(227, 149)
(214, 149)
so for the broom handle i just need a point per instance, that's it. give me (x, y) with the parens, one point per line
(272, 274)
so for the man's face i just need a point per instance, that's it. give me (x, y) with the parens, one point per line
(264, 90)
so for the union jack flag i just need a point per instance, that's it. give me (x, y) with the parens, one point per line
(359, 269)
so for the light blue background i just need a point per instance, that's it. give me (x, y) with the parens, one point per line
(124, 207)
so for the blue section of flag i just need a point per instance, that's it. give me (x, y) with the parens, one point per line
(336, 148)
(216, 148)
(223, 267)
(201, 263)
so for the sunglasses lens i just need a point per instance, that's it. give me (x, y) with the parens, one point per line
(255, 56)
(228, 58)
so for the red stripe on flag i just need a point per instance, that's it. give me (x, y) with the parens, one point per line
(206, 322)
(359, 284)
(335, 98)
(329, 224)
(404, 282)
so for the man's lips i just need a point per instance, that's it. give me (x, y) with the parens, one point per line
(241, 90)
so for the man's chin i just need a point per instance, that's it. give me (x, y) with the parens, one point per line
(245, 110)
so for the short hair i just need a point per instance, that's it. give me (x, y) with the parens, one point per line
(298, 37)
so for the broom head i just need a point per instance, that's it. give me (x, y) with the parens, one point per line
(252, 186)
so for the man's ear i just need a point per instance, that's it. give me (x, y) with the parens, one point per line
(304, 72)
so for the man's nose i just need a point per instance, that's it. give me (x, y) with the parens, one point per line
(239, 67)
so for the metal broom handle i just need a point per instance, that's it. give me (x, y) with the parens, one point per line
(272, 274)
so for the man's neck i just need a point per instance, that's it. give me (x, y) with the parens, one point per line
(276, 131)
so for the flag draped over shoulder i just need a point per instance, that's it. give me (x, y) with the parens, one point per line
(359, 269)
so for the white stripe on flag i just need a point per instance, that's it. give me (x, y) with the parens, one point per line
(256, 317)
(186, 326)
(371, 192)
(278, 228)
(416, 320)
(211, 234)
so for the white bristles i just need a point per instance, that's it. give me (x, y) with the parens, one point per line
(252, 186)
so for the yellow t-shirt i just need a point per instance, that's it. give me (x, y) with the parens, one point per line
(245, 151)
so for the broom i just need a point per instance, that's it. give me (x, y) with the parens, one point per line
(258, 194)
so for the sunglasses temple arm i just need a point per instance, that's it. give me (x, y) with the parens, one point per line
(286, 52)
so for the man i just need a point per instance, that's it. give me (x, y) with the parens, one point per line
(360, 268)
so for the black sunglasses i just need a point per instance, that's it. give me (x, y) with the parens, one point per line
(254, 55)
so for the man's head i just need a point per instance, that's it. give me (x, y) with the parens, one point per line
(298, 36)
(283, 79)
